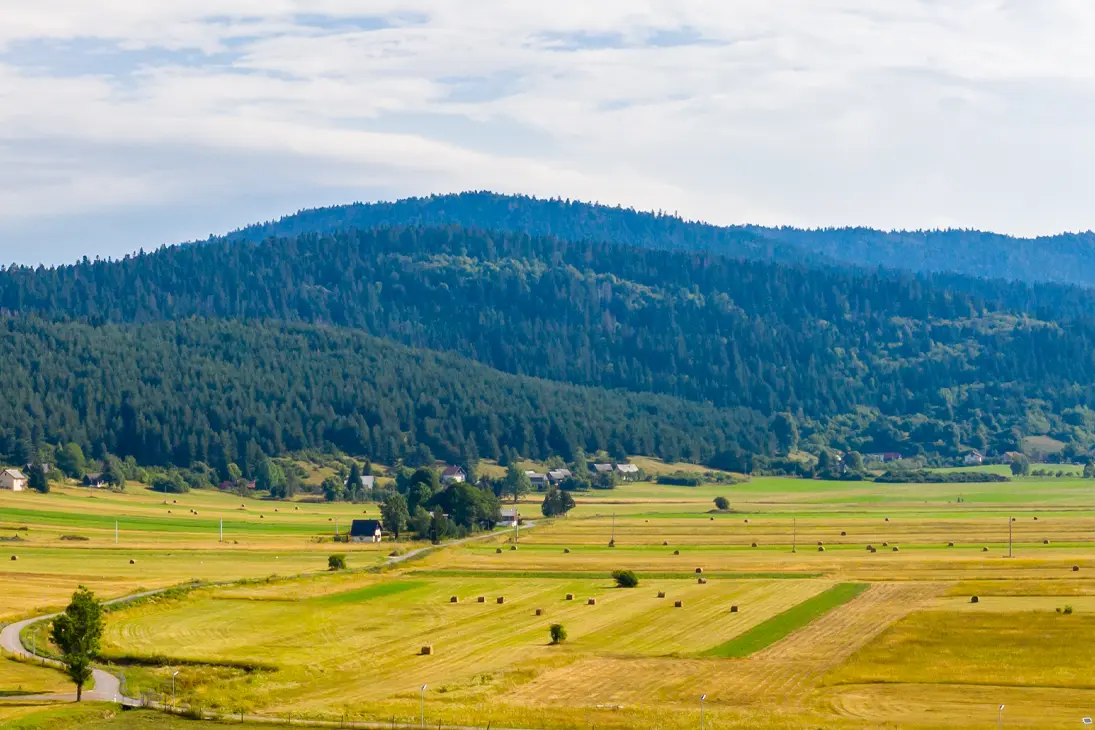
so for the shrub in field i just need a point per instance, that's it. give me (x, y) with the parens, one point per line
(336, 562)
(1067, 611)
(722, 503)
(558, 634)
(625, 578)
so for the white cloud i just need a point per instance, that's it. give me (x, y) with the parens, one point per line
(807, 112)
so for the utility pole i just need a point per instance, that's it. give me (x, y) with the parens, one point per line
(1010, 521)
(422, 716)
(794, 535)
(702, 698)
(613, 538)
(222, 530)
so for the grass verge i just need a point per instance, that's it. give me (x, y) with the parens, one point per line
(769, 632)
(594, 574)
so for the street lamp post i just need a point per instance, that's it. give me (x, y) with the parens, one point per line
(173, 688)
(1000, 718)
(702, 698)
(422, 715)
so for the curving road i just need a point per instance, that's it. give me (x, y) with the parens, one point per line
(108, 688)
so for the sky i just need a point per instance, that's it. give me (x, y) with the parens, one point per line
(128, 124)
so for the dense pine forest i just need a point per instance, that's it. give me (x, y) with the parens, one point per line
(443, 326)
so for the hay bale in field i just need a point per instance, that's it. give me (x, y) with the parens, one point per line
(1014, 519)
(132, 561)
(821, 548)
(168, 511)
(1045, 542)
(950, 544)
(985, 549)
(512, 547)
(820, 543)
(734, 609)
(14, 557)
(747, 522)
(702, 581)
(454, 599)
(427, 650)
(874, 550)
(501, 599)
(712, 519)
(974, 599)
(754, 544)
(481, 599)
(887, 519)
(885, 544)
(678, 604)
(676, 552)
(566, 551)
(262, 517)
(843, 533)
(591, 602)
(1035, 519)
(539, 612)
(498, 551)
(612, 543)
(665, 543)
(297, 509)
(570, 597)
(870, 548)
(699, 570)
(1075, 568)
(661, 594)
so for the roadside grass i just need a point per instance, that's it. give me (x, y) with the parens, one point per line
(780, 626)
(24, 678)
(593, 575)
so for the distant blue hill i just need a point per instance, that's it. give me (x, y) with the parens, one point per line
(1065, 258)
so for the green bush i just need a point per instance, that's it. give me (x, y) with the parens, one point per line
(558, 634)
(336, 562)
(625, 578)
(722, 503)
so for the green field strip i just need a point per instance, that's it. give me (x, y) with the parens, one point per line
(369, 593)
(599, 574)
(769, 632)
(183, 523)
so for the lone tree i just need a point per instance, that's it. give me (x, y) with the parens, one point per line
(722, 503)
(625, 578)
(77, 632)
(394, 514)
(336, 562)
(37, 479)
(558, 634)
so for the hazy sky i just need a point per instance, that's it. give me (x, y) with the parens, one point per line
(130, 123)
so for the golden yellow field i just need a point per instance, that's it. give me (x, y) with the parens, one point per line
(908, 651)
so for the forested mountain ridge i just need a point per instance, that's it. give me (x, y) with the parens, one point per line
(1067, 258)
(920, 365)
(215, 391)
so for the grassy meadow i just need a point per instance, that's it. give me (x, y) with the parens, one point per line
(786, 619)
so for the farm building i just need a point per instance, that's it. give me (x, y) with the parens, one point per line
(366, 531)
(95, 481)
(453, 474)
(13, 479)
(559, 475)
(367, 482)
(628, 472)
(510, 516)
(539, 481)
(601, 468)
(974, 458)
(884, 456)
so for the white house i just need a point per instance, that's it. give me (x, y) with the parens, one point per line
(974, 458)
(13, 479)
(539, 481)
(453, 474)
(366, 531)
(559, 475)
(628, 472)
(510, 516)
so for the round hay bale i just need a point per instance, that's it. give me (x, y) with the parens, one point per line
(501, 599)
(820, 543)
(874, 550)
(454, 599)
(699, 570)
(498, 551)
(974, 599)
(539, 612)
(570, 597)
(661, 594)
(950, 544)
(1075, 568)
(1014, 519)
(870, 548)
(747, 522)
(887, 519)
(821, 548)
(297, 509)
(612, 543)
(678, 604)
(985, 549)
(330, 519)
(1035, 519)
(427, 650)
(896, 548)
(275, 509)
(262, 517)
(243, 506)
(885, 544)
(843, 533)
(481, 599)
(1045, 542)
(14, 557)
(512, 547)
(168, 511)
(132, 561)
(754, 544)
(676, 552)
(702, 581)
(591, 602)
(734, 609)
(566, 551)
(174, 501)
(665, 543)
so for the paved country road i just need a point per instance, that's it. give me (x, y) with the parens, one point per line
(108, 687)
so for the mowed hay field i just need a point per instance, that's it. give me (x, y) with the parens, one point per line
(67, 538)
(899, 645)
